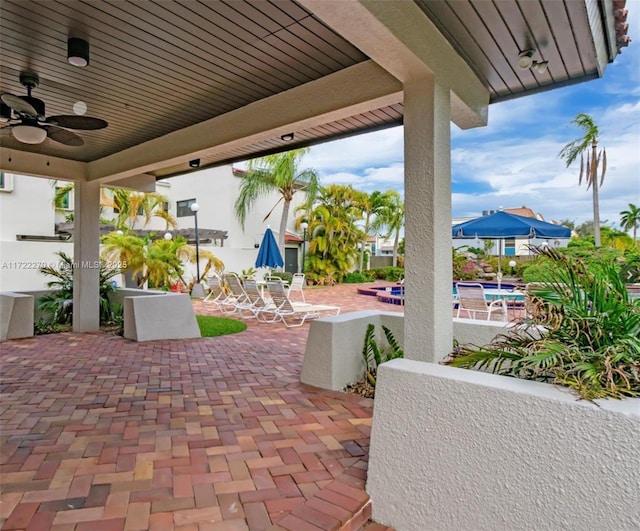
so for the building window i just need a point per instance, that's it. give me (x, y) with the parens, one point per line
(509, 247)
(183, 208)
(6, 182)
(165, 206)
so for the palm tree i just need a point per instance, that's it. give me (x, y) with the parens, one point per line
(276, 173)
(631, 219)
(333, 234)
(131, 205)
(392, 217)
(371, 206)
(578, 147)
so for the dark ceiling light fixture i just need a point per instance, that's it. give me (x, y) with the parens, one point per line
(77, 52)
(526, 62)
(195, 163)
(287, 138)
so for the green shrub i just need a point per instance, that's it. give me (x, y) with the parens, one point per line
(59, 303)
(592, 339)
(357, 277)
(392, 274)
(282, 275)
(374, 355)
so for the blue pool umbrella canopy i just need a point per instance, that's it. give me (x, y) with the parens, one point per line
(269, 253)
(504, 225)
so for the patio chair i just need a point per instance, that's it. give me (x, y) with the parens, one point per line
(219, 296)
(472, 299)
(297, 284)
(293, 314)
(240, 298)
(256, 303)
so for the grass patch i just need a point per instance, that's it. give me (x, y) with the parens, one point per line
(211, 326)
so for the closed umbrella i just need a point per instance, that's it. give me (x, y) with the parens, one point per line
(269, 253)
(503, 225)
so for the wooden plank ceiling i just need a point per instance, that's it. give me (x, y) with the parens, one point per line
(159, 66)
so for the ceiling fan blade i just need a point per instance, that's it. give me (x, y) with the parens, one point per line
(19, 105)
(86, 123)
(63, 136)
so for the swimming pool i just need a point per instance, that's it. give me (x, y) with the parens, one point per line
(395, 294)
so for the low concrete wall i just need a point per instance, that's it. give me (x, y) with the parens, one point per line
(159, 316)
(456, 449)
(333, 356)
(16, 315)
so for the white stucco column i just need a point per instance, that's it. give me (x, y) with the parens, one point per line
(428, 333)
(86, 257)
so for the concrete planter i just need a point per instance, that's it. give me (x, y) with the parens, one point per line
(457, 449)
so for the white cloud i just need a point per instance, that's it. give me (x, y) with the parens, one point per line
(514, 160)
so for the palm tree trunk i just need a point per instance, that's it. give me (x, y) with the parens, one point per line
(396, 242)
(283, 226)
(596, 202)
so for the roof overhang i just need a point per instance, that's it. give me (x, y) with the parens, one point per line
(186, 80)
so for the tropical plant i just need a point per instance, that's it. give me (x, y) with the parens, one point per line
(392, 217)
(371, 207)
(279, 173)
(375, 355)
(131, 206)
(59, 303)
(630, 220)
(596, 162)
(333, 234)
(591, 338)
(158, 261)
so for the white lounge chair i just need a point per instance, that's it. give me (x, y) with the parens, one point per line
(297, 285)
(293, 314)
(256, 305)
(472, 299)
(219, 296)
(241, 299)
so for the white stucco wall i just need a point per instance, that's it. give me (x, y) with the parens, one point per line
(27, 208)
(454, 449)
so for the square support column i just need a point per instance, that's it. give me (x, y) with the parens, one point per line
(86, 257)
(427, 165)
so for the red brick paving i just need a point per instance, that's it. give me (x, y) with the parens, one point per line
(102, 433)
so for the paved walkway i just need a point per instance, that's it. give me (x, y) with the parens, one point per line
(102, 433)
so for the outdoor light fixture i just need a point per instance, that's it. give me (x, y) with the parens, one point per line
(287, 138)
(195, 163)
(168, 236)
(29, 134)
(525, 62)
(304, 226)
(194, 208)
(77, 52)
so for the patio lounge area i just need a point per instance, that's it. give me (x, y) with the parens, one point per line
(100, 432)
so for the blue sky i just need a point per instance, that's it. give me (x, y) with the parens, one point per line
(514, 160)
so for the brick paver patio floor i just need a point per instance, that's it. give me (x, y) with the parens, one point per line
(102, 433)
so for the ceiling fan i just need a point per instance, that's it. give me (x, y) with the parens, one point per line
(26, 117)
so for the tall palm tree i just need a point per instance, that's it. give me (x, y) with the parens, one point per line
(371, 205)
(631, 219)
(392, 217)
(595, 161)
(279, 173)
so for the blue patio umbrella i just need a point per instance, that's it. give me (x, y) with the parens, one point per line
(269, 253)
(504, 225)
